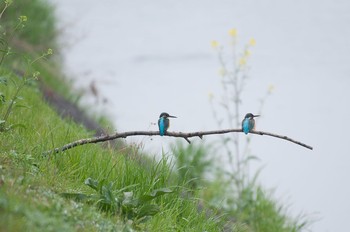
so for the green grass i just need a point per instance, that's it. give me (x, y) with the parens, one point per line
(31, 181)
(91, 188)
(249, 209)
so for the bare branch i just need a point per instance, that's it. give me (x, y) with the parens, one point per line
(199, 134)
(282, 137)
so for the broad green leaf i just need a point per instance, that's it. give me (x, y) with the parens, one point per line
(148, 210)
(155, 193)
(75, 196)
(129, 201)
(3, 80)
(91, 183)
(107, 195)
(100, 185)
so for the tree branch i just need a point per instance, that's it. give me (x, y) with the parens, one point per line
(199, 134)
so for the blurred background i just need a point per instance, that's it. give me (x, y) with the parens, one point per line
(135, 60)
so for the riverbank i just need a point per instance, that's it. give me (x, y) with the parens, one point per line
(95, 188)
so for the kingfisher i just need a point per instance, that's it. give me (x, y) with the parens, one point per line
(164, 123)
(248, 123)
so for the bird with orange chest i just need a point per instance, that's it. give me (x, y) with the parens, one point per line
(248, 123)
(164, 123)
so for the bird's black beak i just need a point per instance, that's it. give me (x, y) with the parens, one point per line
(172, 116)
(258, 115)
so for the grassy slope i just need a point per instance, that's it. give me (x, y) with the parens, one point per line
(30, 184)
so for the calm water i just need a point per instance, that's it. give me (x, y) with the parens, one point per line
(154, 57)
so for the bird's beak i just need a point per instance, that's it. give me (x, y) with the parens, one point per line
(256, 115)
(172, 116)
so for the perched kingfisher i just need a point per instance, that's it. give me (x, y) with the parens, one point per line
(248, 123)
(164, 123)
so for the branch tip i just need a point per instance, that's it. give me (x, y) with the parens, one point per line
(187, 140)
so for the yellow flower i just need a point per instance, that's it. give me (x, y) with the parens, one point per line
(214, 44)
(23, 18)
(232, 32)
(252, 42)
(270, 88)
(242, 61)
(211, 96)
(36, 75)
(247, 53)
(222, 72)
(49, 51)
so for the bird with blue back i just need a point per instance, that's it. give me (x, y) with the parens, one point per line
(248, 123)
(164, 123)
